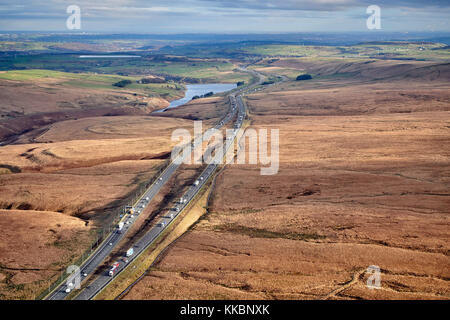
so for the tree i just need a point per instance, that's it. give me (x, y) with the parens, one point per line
(122, 83)
(304, 77)
(152, 80)
(206, 95)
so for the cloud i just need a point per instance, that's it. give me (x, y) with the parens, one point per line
(217, 15)
(321, 5)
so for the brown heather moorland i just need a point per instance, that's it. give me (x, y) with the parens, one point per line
(58, 185)
(27, 107)
(34, 246)
(364, 180)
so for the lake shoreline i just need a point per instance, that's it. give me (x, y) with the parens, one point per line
(193, 90)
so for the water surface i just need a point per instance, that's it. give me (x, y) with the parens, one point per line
(198, 90)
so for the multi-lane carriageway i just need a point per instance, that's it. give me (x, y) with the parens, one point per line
(105, 249)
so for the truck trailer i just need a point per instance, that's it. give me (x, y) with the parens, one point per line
(113, 269)
(130, 252)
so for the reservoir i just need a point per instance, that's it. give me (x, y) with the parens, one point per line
(106, 56)
(198, 90)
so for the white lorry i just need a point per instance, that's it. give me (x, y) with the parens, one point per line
(182, 200)
(69, 287)
(120, 227)
(130, 252)
(113, 269)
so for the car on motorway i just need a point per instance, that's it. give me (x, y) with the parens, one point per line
(129, 209)
(196, 183)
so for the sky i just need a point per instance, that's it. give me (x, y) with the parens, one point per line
(224, 16)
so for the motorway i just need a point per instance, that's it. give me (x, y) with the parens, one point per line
(105, 249)
(139, 246)
(115, 237)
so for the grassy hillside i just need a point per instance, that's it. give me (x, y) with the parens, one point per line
(93, 81)
(201, 70)
(382, 50)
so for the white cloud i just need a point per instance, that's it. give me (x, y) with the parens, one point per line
(218, 15)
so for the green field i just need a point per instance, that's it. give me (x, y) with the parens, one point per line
(399, 50)
(94, 81)
(23, 46)
(268, 70)
(292, 50)
(433, 51)
(201, 70)
(76, 45)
